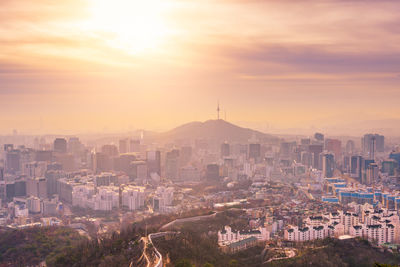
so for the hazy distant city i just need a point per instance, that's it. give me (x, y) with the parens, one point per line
(277, 192)
(170, 133)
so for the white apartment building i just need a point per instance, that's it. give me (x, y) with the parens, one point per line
(163, 197)
(308, 233)
(133, 197)
(81, 194)
(34, 169)
(85, 196)
(107, 198)
(33, 204)
(380, 226)
(228, 236)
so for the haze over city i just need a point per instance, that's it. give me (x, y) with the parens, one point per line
(183, 133)
(282, 66)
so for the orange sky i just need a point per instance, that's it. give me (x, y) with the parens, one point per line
(89, 65)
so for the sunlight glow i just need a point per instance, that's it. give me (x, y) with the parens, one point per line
(132, 25)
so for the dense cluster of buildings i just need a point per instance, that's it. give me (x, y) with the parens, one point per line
(282, 183)
(378, 225)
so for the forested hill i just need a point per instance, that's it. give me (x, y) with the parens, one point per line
(31, 246)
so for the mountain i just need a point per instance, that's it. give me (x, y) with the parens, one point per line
(217, 130)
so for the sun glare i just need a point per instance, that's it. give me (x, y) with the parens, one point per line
(135, 26)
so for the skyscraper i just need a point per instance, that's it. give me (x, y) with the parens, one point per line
(315, 150)
(335, 146)
(356, 163)
(109, 150)
(372, 174)
(60, 145)
(350, 147)
(254, 151)
(12, 161)
(74, 145)
(123, 146)
(328, 165)
(1, 172)
(153, 162)
(134, 145)
(185, 155)
(225, 150)
(172, 164)
(319, 137)
(212, 172)
(372, 143)
(286, 149)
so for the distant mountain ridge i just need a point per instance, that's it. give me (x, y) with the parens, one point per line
(218, 130)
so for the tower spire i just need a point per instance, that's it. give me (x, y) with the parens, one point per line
(218, 110)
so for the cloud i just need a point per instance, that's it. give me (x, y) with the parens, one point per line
(314, 59)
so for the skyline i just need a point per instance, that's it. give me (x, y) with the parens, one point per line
(76, 65)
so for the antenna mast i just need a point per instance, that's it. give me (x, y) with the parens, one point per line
(218, 109)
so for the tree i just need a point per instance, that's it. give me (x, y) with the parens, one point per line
(381, 265)
(184, 263)
(233, 263)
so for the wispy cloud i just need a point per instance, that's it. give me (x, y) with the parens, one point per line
(230, 47)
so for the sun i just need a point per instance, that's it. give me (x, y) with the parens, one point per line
(135, 26)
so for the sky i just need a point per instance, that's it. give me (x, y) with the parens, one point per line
(294, 66)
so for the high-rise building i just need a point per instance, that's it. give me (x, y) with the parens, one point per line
(254, 151)
(33, 204)
(123, 146)
(319, 137)
(185, 155)
(66, 160)
(286, 149)
(190, 174)
(43, 155)
(315, 150)
(134, 146)
(225, 150)
(163, 197)
(172, 164)
(60, 145)
(133, 197)
(8, 147)
(20, 188)
(395, 156)
(122, 163)
(372, 174)
(305, 141)
(153, 162)
(101, 162)
(306, 158)
(139, 171)
(389, 166)
(13, 161)
(105, 179)
(346, 164)
(356, 163)
(350, 147)
(110, 150)
(52, 178)
(328, 165)
(212, 172)
(74, 145)
(36, 187)
(372, 143)
(335, 146)
(34, 169)
(380, 143)
(1, 172)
